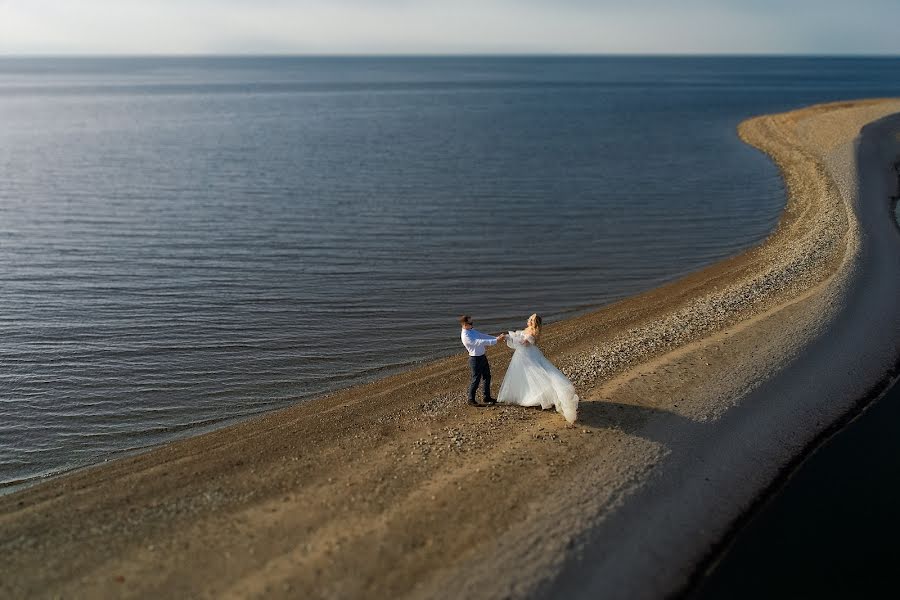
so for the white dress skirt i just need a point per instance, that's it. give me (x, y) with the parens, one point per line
(532, 380)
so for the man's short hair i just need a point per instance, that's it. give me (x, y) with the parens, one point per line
(465, 320)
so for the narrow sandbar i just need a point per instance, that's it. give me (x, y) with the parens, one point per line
(397, 488)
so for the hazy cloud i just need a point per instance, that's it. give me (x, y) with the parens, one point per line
(462, 26)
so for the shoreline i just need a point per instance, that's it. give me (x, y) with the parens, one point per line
(382, 482)
(887, 385)
(805, 396)
(770, 425)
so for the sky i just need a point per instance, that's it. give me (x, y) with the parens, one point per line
(449, 26)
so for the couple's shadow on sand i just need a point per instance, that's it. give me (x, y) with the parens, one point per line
(657, 424)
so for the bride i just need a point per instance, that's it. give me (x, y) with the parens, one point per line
(531, 379)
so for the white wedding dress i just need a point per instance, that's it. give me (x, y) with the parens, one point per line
(532, 380)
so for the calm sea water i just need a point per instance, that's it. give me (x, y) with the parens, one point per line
(186, 241)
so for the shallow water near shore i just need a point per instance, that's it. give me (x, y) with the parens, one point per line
(187, 241)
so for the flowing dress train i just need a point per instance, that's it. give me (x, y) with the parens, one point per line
(532, 380)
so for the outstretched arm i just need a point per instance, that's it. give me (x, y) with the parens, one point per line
(483, 341)
(480, 339)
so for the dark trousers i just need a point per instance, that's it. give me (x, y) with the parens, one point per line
(481, 370)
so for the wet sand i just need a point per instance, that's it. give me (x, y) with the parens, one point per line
(398, 488)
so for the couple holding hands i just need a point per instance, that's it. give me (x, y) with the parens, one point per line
(531, 379)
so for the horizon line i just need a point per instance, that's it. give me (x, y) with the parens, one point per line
(4, 55)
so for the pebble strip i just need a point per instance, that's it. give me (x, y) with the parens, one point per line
(805, 249)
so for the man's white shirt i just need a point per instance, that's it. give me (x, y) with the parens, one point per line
(475, 341)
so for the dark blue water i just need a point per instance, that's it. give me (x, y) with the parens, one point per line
(831, 531)
(185, 241)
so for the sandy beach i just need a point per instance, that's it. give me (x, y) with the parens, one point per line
(695, 397)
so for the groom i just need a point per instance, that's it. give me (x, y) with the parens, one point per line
(475, 342)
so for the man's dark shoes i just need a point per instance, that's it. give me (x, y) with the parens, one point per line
(472, 403)
(490, 401)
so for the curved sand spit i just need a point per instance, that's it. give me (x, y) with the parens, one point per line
(695, 396)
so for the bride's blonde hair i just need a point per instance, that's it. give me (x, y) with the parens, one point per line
(534, 322)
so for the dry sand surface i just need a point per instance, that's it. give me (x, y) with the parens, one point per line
(398, 488)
